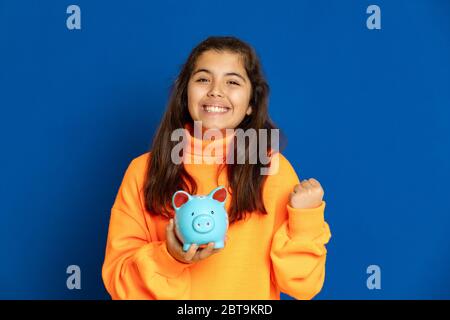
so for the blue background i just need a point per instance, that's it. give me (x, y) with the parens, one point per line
(366, 112)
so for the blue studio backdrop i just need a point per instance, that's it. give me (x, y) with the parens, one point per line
(365, 111)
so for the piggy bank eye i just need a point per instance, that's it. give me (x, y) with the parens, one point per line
(212, 212)
(192, 214)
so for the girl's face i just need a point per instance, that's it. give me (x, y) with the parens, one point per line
(219, 90)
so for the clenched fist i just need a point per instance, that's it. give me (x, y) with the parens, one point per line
(308, 194)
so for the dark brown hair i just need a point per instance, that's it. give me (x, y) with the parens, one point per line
(164, 178)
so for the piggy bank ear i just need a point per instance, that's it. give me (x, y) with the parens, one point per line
(219, 194)
(179, 198)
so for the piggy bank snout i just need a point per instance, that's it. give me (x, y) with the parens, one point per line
(203, 223)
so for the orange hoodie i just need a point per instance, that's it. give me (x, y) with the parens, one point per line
(264, 254)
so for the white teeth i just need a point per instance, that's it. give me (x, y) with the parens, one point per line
(214, 109)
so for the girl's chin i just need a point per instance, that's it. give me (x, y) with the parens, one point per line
(217, 123)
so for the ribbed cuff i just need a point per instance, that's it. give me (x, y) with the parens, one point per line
(306, 223)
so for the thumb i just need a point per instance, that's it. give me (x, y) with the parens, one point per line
(169, 231)
(298, 187)
(290, 196)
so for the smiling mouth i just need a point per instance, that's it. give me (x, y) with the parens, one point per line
(215, 109)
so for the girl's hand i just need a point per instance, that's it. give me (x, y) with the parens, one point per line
(308, 194)
(194, 254)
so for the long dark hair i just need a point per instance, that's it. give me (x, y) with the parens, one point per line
(164, 178)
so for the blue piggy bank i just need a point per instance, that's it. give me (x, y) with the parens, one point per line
(201, 219)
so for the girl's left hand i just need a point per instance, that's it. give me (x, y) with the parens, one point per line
(308, 194)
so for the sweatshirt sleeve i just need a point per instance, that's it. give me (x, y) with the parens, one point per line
(298, 250)
(135, 267)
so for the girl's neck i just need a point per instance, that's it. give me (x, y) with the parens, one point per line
(213, 144)
(207, 134)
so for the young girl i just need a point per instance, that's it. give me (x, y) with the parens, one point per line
(277, 233)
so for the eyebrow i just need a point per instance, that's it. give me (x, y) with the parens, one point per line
(227, 74)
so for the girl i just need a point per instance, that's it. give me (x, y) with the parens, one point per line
(277, 233)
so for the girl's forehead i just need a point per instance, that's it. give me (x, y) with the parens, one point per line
(218, 60)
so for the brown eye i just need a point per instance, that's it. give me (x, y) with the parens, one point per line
(212, 212)
(192, 214)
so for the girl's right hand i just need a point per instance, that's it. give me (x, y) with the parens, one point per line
(194, 254)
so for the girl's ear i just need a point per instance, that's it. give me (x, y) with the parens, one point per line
(179, 198)
(219, 194)
(249, 110)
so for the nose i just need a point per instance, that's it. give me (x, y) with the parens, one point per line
(215, 91)
(203, 223)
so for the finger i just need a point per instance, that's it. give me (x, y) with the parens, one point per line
(172, 232)
(316, 185)
(291, 196)
(172, 239)
(302, 186)
(207, 251)
(170, 236)
(307, 185)
(191, 252)
(214, 251)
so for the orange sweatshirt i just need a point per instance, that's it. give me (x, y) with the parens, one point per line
(264, 254)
